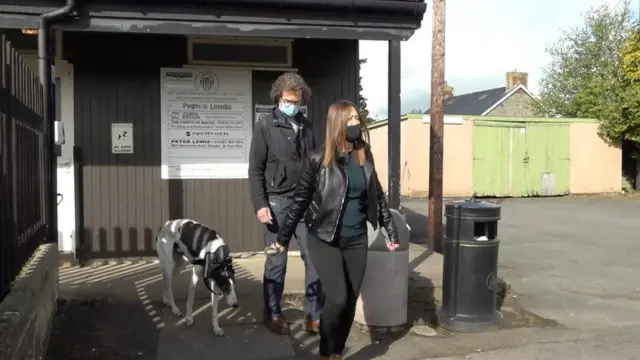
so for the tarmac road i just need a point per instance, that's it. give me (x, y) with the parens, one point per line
(575, 261)
(611, 344)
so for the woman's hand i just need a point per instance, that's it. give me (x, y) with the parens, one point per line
(392, 246)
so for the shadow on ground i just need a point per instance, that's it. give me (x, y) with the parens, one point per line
(101, 329)
(114, 311)
(418, 223)
(424, 296)
(370, 342)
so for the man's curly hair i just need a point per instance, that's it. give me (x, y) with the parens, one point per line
(289, 82)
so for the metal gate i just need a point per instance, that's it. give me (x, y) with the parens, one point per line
(22, 165)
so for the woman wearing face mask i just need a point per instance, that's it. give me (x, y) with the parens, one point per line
(339, 192)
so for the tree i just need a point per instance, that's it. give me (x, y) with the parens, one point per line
(588, 77)
(624, 121)
(585, 66)
(362, 101)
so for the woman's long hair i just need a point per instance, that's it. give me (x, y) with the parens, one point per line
(336, 136)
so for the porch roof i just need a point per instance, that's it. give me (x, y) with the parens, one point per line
(336, 19)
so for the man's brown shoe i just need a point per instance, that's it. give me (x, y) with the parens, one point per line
(311, 326)
(276, 324)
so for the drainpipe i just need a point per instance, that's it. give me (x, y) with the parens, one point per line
(48, 118)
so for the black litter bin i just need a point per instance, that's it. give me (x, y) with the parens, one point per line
(470, 268)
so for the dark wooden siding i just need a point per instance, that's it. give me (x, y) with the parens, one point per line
(117, 79)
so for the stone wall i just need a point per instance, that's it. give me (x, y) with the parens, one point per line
(517, 105)
(26, 314)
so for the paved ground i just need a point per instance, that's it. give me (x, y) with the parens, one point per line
(572, 264)
(575, 261)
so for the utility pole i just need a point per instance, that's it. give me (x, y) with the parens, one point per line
(436, 125)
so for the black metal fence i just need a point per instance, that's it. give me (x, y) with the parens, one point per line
(22, 165)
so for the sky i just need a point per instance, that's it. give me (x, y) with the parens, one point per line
(484, 40)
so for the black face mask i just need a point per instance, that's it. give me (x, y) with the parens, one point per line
(354, 133)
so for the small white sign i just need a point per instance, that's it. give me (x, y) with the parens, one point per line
(122, 138)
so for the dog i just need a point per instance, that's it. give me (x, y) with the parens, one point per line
(184, 241)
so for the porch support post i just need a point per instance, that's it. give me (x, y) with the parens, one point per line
(394, 124)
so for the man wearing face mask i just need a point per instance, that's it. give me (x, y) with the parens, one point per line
(280, 144)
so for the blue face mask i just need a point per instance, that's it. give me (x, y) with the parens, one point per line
(289, 109)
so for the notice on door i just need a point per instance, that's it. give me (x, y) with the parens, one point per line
(122, 138)
(206, 123)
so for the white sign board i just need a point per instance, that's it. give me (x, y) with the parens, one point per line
(122, 138)
(261, 110)
(206, 123)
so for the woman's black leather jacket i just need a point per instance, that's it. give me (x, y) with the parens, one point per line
(321, 193)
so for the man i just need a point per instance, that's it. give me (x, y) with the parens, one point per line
(279, 147)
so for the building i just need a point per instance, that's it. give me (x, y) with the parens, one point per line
(503, 156)
(495, 147)
(135, 83)
(513, 99)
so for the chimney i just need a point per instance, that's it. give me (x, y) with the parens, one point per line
(448, 90)
(515, 78)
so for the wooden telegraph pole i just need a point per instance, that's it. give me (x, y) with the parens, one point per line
(437, 125)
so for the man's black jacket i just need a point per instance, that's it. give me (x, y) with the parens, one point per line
(277, 155)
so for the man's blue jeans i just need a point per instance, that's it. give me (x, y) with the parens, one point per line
(275, 267)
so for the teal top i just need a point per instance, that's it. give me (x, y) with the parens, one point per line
(353, 223)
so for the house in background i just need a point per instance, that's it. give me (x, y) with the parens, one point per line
(494, 146)
(514, 99)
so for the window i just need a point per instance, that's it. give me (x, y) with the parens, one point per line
(248, 52)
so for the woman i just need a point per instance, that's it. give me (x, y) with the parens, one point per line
(339, 192)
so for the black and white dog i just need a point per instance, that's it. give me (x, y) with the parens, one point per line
(182, 242)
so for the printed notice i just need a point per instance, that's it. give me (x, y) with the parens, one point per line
(206, 123)
(122, 138)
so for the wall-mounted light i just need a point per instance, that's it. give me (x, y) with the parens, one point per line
(30, 31)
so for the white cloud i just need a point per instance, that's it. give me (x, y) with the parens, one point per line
(484, 40)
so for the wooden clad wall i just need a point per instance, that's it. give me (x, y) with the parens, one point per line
(117, 79)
